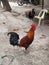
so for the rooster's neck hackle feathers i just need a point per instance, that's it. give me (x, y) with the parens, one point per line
(30, 33)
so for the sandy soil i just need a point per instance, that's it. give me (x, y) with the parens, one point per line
(37, 53)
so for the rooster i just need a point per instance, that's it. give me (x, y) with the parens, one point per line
(26, 40)
(30, 14)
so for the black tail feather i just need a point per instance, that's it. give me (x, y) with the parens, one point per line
(14, 38)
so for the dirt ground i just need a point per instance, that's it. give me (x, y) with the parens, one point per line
(37, 53)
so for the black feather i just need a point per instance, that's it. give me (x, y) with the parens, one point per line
(14, 38)
(32, 15)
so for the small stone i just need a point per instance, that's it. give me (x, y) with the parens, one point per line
(3, 22)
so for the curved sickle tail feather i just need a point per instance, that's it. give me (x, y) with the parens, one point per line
(14, 38)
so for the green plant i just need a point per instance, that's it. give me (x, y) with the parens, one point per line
(48, 12)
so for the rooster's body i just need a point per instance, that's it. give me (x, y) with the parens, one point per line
(30, 14)
(26, 40)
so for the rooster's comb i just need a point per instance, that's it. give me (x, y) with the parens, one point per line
(34, 26)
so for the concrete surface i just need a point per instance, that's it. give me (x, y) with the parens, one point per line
(37, 53)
